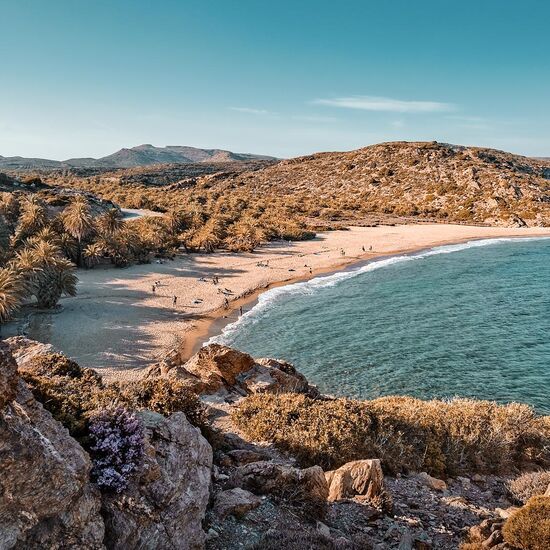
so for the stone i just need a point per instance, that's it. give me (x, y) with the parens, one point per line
(323, 529)
(360, 477)
(432, 482)
(24, 350)
(268, 477)
(547, 492)
(8, 376)
(165, 505)
(45, 495)
(244, 456)
(236, 502)
(505, 513)
(406, 542)
(275, 376)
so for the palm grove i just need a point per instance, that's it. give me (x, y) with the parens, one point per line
(40, 250)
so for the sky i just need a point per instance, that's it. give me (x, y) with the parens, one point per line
(285, 78)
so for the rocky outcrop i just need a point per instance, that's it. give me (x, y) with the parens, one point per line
(360, 477)
(164, 507)
(45, 494)
(24, 350)
(217, 368)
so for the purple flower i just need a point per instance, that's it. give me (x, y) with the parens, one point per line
(117, 448)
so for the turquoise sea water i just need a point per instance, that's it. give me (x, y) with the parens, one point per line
(461, 320)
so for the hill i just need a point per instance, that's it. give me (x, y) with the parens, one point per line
(424, 179)
(142, 155)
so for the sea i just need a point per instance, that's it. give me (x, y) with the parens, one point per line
(463, 320)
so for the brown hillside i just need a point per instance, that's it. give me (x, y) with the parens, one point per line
(427, 179)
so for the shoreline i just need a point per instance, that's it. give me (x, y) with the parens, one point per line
(212, 323)
(118, 325)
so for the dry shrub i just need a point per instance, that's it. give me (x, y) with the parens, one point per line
(314, 431)
(529, 485)
(529, 527)
(407, 434)
(164, 396)
(72, 394)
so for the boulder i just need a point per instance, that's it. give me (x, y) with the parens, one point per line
(24, 350)
(235, 502)
(274, 376)
(229, 373)
(432, 482)
(271, 478)
(46, 500)
(360, 477)
(165, 505)
(8, 376)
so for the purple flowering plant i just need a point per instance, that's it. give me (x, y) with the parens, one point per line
(117, 448)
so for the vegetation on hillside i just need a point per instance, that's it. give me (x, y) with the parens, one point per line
(444, 438)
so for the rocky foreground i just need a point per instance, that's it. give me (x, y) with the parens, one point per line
(228, 491)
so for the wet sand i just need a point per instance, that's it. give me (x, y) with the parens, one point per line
(118, 325)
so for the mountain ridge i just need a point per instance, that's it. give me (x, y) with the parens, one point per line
(140, 155)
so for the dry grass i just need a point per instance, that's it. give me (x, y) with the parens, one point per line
(443, 438)
(529, 527)
(529, 485)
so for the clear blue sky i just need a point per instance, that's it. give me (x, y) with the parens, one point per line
(85, 78)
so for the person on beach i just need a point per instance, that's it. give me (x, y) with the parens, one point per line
(226, 303)
(153, 288)
(363, 249)
(240, 310)
(174, 301)
(370, 247)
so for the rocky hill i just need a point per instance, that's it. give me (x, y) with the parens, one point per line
(425, 179)
(142, 155)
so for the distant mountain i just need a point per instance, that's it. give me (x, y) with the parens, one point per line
(142, 155)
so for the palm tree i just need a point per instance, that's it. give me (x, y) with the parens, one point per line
(47, 274)
(78, 222)
(109, 222)
(93, 253)
(12, 292)
(32, 218)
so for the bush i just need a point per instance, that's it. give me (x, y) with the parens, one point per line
(529, 485)
(117, 448)
(529, 527)
(407, 434)
(164, 396)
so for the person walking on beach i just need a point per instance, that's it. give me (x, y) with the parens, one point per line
(363, 248)
(370, 247)
(174, 301)
(240, 310)
(153, 288)
(225, 303)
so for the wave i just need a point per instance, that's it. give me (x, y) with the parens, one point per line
(268, 299)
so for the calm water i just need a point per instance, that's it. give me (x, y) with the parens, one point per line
(468, 320)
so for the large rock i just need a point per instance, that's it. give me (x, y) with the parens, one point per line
(235, 502)
(165, 506)
(360, 477)
(46, 500)
(271, 478)
(8, 376)
(216, 368)
(24, 350)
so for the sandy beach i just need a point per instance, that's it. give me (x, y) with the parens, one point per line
(119, 325)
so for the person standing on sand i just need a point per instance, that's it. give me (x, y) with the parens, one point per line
(174, 301)
(226, 303)
(363, 248)
(153, 288)
(240, 310)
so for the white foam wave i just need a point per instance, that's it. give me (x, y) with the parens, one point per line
(269, 298)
